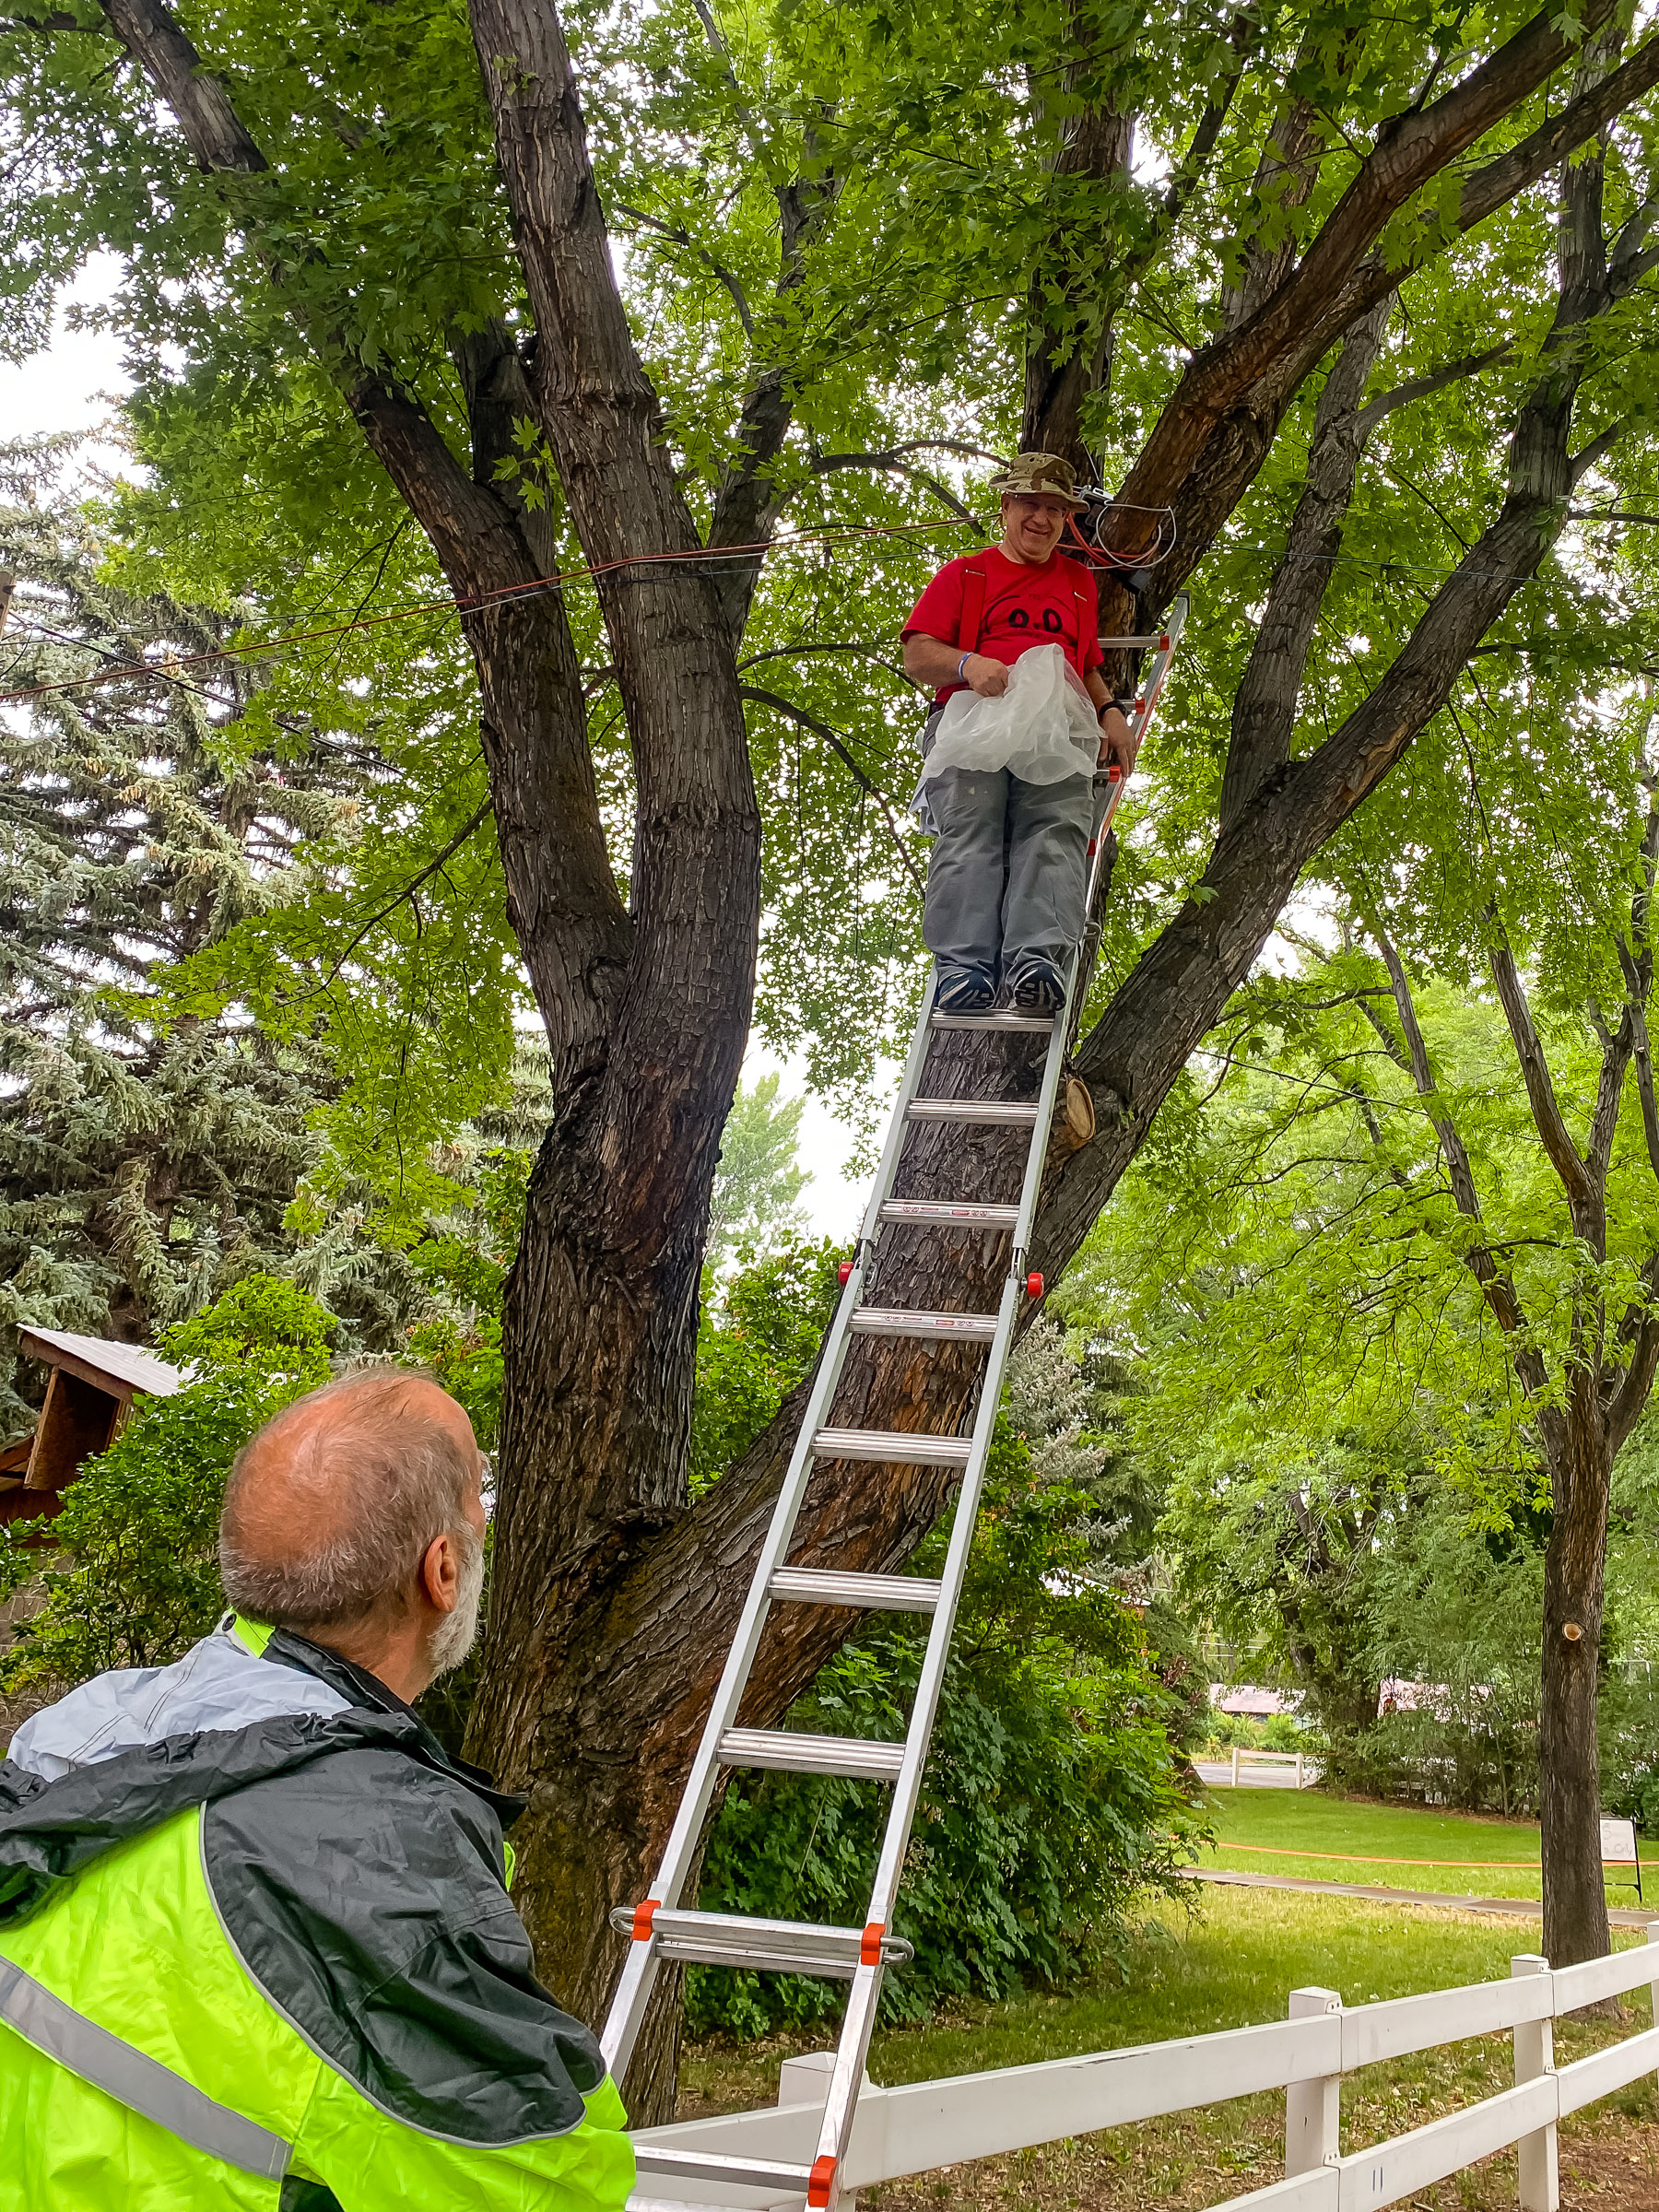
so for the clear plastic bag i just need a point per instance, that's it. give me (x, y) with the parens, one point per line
(1042, 729)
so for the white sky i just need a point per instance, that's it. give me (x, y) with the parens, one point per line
(73, 385)
(831, 1204)
(77, 381)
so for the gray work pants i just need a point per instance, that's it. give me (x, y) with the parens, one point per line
(1009, 871)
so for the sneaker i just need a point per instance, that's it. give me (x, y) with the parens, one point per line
(963, 991)
(1036, 986)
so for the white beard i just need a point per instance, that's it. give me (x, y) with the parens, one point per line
(458, 1631)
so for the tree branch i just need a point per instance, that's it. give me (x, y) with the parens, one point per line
(1553, 1132)
(1643, 1322)
(547, 824)
(1286, 172)
(1496, 1286)
(715, 266)
(1263, 717)
(474, 820)
(861, 776)
(1636, 964)
(1600, 446)
(215, 134)
(1199, 468)
(1628, 245)
(1421, 387)
(1246, 28)
(723, 53)
(916, 445)
(824, 463)
(1319, 296)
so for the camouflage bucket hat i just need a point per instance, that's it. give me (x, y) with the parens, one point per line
(1040, 475)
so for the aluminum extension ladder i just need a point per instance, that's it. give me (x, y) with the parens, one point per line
(660, 1928)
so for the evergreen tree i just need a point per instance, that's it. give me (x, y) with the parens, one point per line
(144, 1167)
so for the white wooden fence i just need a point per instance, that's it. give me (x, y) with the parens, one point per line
(1267, 1758)
(922, 2125)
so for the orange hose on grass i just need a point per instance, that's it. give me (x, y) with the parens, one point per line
(1343, 1858)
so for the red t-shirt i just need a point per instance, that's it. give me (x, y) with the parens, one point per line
(1055, 604)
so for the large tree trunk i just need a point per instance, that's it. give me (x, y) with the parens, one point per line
(622, 1683)
(1576, 1897)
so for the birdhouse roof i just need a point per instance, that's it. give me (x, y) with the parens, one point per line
(121, 1369)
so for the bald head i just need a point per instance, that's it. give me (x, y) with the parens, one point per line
(335, 1509)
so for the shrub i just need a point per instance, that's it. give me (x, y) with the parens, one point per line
(1050, 1799)
(133, 1578)
(757, 1334)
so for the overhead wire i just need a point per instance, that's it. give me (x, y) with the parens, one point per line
(168, 668)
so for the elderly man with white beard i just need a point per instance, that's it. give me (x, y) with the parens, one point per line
(256, 1946)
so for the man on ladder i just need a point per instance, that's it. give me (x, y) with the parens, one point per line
(1047, 722)
(1010, 790)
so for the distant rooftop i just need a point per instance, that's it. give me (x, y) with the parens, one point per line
(1249, 1700)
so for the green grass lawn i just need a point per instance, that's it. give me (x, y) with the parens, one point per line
(1234, 1960)
(1304, 1824)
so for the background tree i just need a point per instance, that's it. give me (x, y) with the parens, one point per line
(1463, 1217)
(151, 1157)
(753, 1202)
(436, 265)
(143, 1167)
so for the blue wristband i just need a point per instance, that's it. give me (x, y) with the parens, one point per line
(963, 664)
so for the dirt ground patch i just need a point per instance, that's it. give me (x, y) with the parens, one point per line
(1615, 2171)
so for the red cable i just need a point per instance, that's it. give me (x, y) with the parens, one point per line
(169, 668)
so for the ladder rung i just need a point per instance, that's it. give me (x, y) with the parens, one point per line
(663, 2160)
(888, 1321)
(636, 2203)
(1036, 1025)
(879, 1593)
(796, 1754)
(972, 1110)
(904, 1447)
(941, 1209)
(765, 1947)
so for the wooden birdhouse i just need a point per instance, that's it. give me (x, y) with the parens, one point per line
(88, 1396)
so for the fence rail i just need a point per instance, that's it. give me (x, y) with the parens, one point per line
(921, 2126)
(1269, 1758)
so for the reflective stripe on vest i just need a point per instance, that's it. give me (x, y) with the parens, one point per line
(137, 2080)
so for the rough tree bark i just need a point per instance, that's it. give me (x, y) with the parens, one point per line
(612, 1598)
